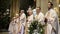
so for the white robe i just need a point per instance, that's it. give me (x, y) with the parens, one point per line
(13, 27)
(52, 21)
(23, 19)
(40, 18)
(30, 19)
(10, 28)
(23, 22)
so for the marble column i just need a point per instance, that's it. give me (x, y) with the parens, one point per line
(38, 3)
(44, 8)
(43, 4)
(14, 8)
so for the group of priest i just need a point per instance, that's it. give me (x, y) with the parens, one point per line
(21, 23)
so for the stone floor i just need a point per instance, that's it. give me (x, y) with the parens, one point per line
(3, 32)
(7, 32)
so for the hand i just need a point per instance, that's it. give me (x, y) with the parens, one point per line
(45, 20)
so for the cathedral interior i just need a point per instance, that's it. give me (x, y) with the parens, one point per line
(8, 9)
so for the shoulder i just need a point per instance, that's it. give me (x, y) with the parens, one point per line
(41, 14)
(53, 11)
(23, 14)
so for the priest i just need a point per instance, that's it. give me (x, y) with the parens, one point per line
(39, 16)
(52, 20)
(29, 20)
(13, 27)
(22, 19)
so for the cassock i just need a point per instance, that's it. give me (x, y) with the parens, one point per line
(40, 18)
(13, 27)
(52, 21)
(23, 22)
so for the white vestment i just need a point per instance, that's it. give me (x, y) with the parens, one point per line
(23, 22)
(40, 18)
(52, 21)
(13, 27)
(30, 19)
(23, 19)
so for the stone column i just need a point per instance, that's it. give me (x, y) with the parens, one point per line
(43, 4)
(14, 8)
(38, 3)
(56, 5)
(17, 6)
(44, 8)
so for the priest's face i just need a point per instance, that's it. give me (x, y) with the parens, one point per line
(30, 13)
(37, 10)
(49, 5)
